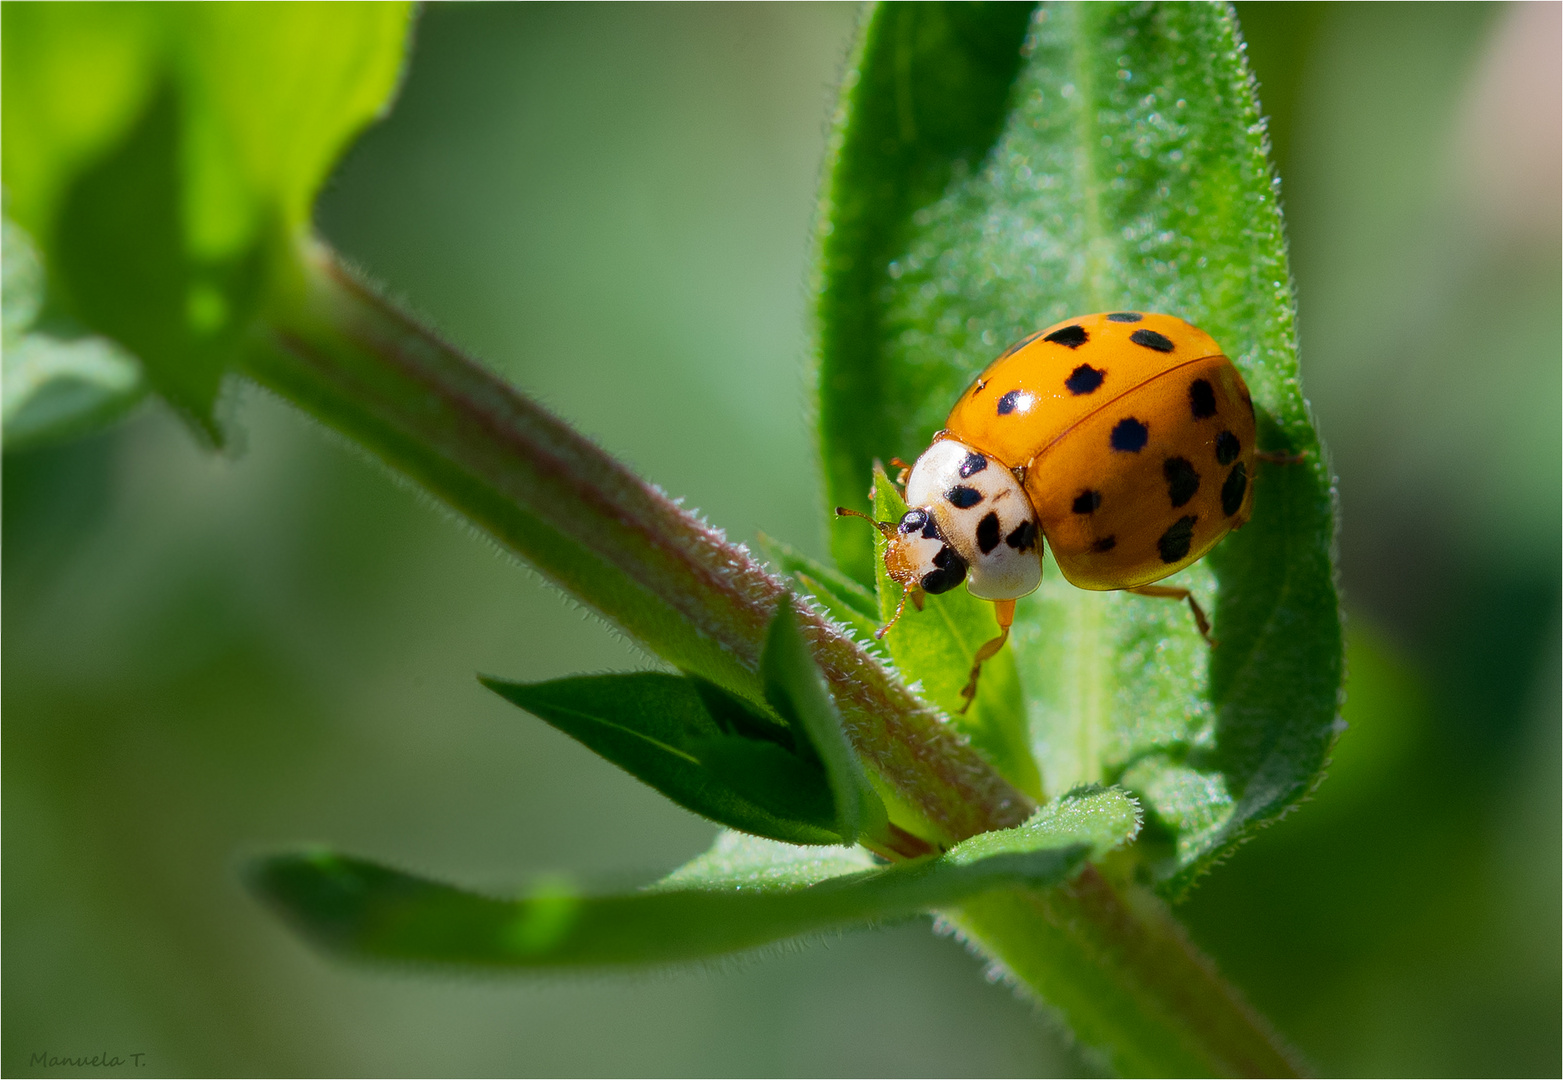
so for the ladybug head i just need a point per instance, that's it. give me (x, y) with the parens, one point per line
(970, 520)
(917, 557)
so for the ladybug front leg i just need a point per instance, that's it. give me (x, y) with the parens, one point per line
(1004, 613)
(1172, 592)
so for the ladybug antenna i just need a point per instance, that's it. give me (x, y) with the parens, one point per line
(886, 528)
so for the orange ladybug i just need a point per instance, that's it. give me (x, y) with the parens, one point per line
(1124, 440)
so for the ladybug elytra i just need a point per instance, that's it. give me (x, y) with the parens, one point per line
(1123, 440)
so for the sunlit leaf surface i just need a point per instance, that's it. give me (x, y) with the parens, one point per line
(1126, 169)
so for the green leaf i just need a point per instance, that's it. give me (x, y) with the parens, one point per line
(1126, 169)
(934, 649)
(164, 154)
(52, 387)
(650, 725)
(742, 895)
(795, 688)
(840, 588)
(772, 778)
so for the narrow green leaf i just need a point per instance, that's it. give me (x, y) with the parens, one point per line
(1126, 171)
(795, 688)
(160, 184)
(646, 723)
(770, 777)
(934, 649)
(740, 896)
(842, 589)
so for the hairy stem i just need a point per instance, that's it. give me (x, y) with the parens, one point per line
(337, 349)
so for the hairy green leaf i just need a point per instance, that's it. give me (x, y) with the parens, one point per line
(1126, 169)
(796, 689)
(655, 727)
(158, 178)
(743, 894)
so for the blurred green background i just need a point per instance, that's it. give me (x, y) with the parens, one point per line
(205, 656)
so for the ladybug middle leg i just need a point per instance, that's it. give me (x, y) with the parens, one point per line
(1004, 612)
(1173, 592)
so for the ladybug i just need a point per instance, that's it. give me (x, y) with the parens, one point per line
(1124, 439)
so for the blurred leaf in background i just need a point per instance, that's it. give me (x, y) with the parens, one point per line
(178, 147)
(203, 656)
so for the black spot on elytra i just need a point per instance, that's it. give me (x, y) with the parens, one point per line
(1182, 480)
(1176, 541)
(1015, 399)
(1233, 490)
(1087, 501)
(950, 571)
(1202, 399)
(982, 384)
(1130, 435)
(1151, 340)
(913, 520)
(1021, 344)
(1227, 448)
(1022, 537)
(1072, 336)
(962, 497)
(1084, 379)
(988, 533)
(1105, 544)
(1125, 316)
(974, 463)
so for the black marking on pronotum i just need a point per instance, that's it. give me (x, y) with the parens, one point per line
(988, 533)
(1227, 448)
(962, 497)
(1087, 501)
(1233, 490)
(1125, 316)
(1202, 398)
(1021, 344)
(913, 520)
(1015, 399)
(1176, 541)
(1182, 480)
(1084, 379)
(1022, 537)
(950, 571)
(1130, 435)
(1151, 340)
(1073, 336)
(1105, 544)
(974, 463)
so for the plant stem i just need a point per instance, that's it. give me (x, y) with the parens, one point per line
(341, 352)
(1111, 960)
(1122, 974)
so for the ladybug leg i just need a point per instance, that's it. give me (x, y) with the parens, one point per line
(1172, 592)
(915, 595)
(900, 477)
(1004, 612)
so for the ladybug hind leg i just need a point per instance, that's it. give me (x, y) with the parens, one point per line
(1004, 612)
(1172, 592)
